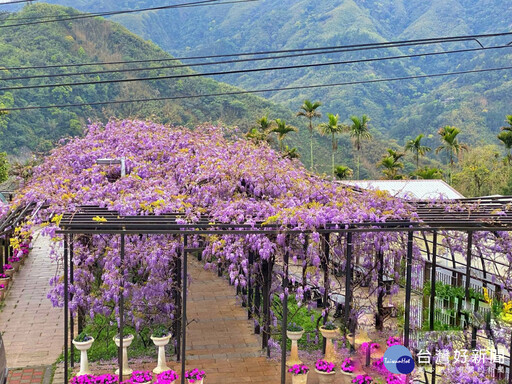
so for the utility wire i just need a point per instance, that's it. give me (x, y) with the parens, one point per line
(349, 48)
(230, 72)
(111, 13)
(242, 92)
(253, 60)
(18, 1)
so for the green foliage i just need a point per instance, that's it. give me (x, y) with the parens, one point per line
(4, 167)
(294, 327)
(82, 337)
(160, 331)
(104, 348)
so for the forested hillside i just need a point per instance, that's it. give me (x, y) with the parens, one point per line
(400, 110)
(91, 41)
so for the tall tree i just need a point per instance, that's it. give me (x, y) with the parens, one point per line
(282, 129)
(429, 173)
(261, 131)
(392, 164)
(359, 131)
(506, 138)
(509, 126)
(333, 128)
(450, 144)
(309, 111)
(414, 145)
(343, 172)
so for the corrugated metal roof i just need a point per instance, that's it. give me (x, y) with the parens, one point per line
(411, 189)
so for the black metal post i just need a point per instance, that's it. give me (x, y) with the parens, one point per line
(348, 279)
(408, 288)
(121, 312)
(510, 362)
(249, 285)
(257, 304)
(380, 298)
(325, 267)
(433, 284)
(66, 307)
(269, 304)
(284, 323)
(184, 312)
(71, 319)
(266, 294)
(468, 271)
(178, 308)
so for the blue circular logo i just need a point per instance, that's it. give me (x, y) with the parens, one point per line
(398, 360)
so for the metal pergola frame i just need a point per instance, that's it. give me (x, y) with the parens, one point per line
(431, 219)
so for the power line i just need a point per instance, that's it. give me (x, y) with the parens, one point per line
(242, 92)
(235, 61)
(230, 72)
(111, 13)
(349, 48)
(17, 1)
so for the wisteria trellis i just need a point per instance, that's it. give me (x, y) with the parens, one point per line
(200, 172)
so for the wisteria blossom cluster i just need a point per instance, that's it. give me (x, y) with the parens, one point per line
(298, 369)
(196, 172)
(325, 366)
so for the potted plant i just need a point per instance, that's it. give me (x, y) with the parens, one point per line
(15, 262)
(2, 291)
(127, 340)
(294, 332)
(347, 369)
(325, 371)
(141, 377)
(299, 373)
(8, 270)
(161, 336)
(362, 379)
(5, 279)
(167, 377)
(83, 342)
(329, 331)
(195, 376)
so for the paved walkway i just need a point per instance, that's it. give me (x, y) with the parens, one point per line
(32, 328)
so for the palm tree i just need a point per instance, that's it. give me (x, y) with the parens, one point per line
(391, 164)
(429, 173)
(309, 111)
(450, 144)
(342, 172)
(333, 128)
(261, 131)
(359, 131)
(414, 145)
(506, 138)
(509, 126)
(281, 129)
(291, 153)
